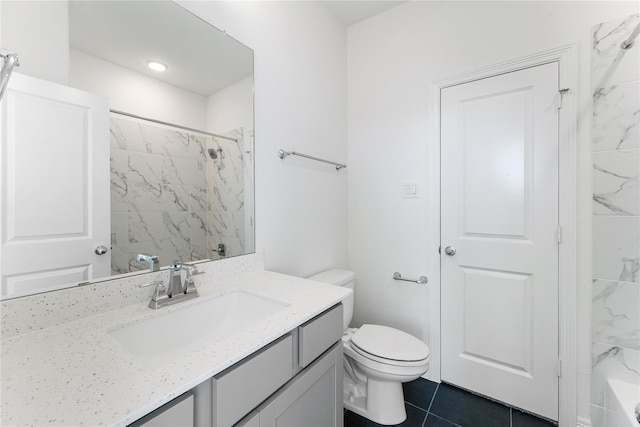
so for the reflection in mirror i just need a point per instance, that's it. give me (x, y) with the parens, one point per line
(180, 141)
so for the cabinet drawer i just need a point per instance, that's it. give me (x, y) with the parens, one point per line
(239, 389)
(318, 334)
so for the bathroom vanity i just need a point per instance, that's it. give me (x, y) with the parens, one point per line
(298, 377)
(285, 367)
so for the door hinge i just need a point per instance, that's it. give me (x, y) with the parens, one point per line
(559, 367)
(561, 92)
(559, 234)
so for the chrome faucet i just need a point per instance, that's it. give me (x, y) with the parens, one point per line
(152, 260)
(176, 290)
(175, 278)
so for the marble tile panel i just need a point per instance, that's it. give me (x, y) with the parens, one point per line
(198, 176)
(609, 63)
(175, 193)
(142, 196)
(616, 117)
(177, 225)
(174, 144)
(133, 135)
(119, 228)
(198, 201)
(175, 197)
(616, 182)
(178, 170)
(119, 160)
(616, 248)
(197, 146)
(145, 167)
(616, 313)
(612, 362)
(119, 260)
(146, 227)
(238, 221)
(234, 246)
(116, 139)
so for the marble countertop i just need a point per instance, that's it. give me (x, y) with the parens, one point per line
(77, 374)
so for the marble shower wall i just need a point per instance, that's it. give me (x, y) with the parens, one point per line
(169, 198)
(226, 194)
(615, 77)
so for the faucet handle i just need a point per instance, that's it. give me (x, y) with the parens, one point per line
(160, 291)
(189, 285)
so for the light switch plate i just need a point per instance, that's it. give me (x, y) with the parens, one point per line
(410, 190)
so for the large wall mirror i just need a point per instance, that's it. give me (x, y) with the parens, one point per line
(180, 141)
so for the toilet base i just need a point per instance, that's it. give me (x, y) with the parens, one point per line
(379, 401)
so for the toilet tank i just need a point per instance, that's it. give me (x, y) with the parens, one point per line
(343, 278)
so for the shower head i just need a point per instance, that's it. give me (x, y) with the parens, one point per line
(213, 153)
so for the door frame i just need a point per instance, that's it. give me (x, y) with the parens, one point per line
(565, 56)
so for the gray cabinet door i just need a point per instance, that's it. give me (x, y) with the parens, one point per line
(312, 399)
(177, 413)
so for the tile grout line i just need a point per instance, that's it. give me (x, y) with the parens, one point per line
(448, 421)
(430, 403)
(433, 397)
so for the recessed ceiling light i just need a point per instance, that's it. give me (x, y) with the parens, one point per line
(156, 65)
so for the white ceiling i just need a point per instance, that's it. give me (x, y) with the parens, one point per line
(353, 11)
(201, 58)
(122, 33)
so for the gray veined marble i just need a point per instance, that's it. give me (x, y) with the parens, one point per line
(616, 318)
(612, 362)
(169, 198)
(615, 78)
(616, 182)
(616, 248)
(616, 117)
(610, 64)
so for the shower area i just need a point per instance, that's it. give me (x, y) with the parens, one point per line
(176, 193)
(615, 78)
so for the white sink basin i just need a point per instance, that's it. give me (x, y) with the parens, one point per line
(194, 325)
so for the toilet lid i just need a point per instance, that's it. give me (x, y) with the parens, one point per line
(389, 343)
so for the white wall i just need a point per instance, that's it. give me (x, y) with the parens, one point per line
(38, 32)
(231, 108)
(393, 58)
(136, 93)
(300, 104)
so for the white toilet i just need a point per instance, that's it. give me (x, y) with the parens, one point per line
(377, 360)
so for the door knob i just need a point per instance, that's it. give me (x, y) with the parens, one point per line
(101, 250)
(450, 250)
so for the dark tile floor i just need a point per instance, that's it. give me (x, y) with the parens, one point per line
(430, 404)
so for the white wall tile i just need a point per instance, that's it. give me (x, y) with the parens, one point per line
(616, 248)
(616, 182)
(612, 65)
(612, 362)
(176, 196)
(616, 116)
(616, 317)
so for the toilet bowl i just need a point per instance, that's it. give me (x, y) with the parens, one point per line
(377, 360)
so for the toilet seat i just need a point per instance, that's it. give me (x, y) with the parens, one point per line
(389, 345)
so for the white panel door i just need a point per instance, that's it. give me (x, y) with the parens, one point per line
(55, 186)
(499, 262)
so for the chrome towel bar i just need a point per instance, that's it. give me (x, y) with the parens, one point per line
(422, 280)
(282, 154)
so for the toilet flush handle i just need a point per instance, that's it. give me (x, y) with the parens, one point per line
(450, 250)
